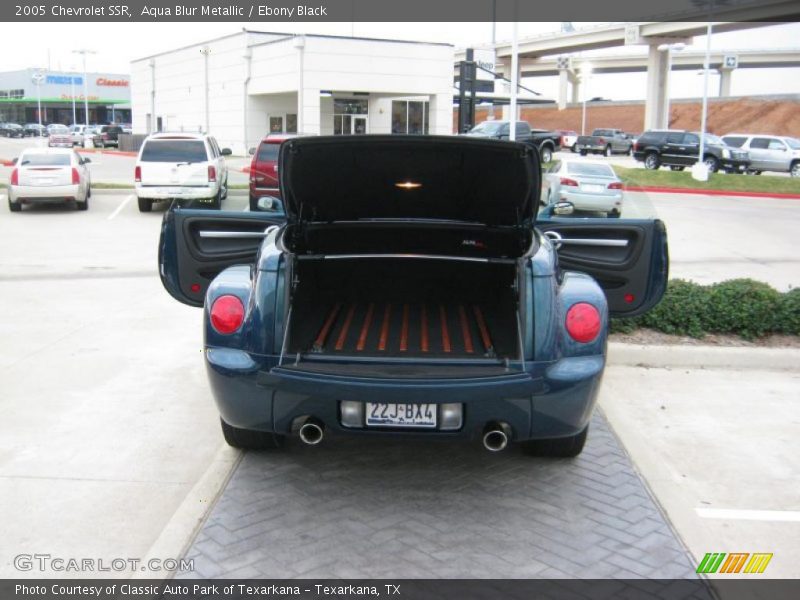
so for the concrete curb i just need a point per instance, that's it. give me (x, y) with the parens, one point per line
(701, 192)
(703, 357)
(179, 533)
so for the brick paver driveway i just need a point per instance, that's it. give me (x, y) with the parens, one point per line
(366, 508)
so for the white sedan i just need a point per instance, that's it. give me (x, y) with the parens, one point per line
(49, 175)
(587, 186)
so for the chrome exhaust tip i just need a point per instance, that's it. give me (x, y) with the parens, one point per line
(496, 437)
(312, 432)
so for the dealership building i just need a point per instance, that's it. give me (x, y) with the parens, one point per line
(242, 86)
(59, 93)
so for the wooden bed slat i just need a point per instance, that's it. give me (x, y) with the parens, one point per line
(319, 343)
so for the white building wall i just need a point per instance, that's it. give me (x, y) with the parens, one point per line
(277, 84)
(180, 89)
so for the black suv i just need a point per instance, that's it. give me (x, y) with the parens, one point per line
(680, 149)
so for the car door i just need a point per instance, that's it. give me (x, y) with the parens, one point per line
(196, 245)
(673, 151)
(778, 155)
(629, 258)
(759, 155)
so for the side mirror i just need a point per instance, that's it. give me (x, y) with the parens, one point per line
(87, 160)
(252, 151)
(269, 204)
(563, 208)
(226, 152)
(14, 161)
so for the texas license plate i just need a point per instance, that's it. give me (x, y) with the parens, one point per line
(401, 415)
(592, 188)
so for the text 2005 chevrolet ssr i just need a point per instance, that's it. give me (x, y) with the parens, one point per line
(404, 287)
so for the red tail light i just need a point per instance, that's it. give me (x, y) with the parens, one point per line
(561, 141)
(212, 173)
(137, 174)
(615, 186)
(227, 314)
(569, 182)
(583, 322)
(14, 177)
(636, 146)
(601, 141)
(76, 177)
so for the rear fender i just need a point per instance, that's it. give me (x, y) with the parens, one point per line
(258, 292)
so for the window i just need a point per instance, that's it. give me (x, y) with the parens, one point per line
(776, 145)
(760, 143)
(268, 152)
(735, 141)
(45, 160)
(793, 143)
(174, 151)
(590, 169)
(276, 124)
(291, 123)
(691, 138)
(674, 138)
(409, 117)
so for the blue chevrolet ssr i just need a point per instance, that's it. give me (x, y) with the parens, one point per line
(403, 285)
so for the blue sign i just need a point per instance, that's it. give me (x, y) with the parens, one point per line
(64, 80)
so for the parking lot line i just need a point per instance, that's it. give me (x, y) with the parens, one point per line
(749, 515)
(122, 205)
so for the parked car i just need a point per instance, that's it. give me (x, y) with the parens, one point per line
(604, 141)
(589, 186)
(181, 166)
(264, 168)
(768, 152)
(79, 133)
(418, 302)
(35, 130)
(59, 136)
(49, 175)
(107, 135)
(568, 138)
(547, 142)
(681, 149)
(11, 130)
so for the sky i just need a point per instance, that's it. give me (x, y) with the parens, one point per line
(39, 44)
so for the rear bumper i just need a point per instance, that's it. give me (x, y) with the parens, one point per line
(43, 193)
(583, 201)
(168, 192)
(548, 401)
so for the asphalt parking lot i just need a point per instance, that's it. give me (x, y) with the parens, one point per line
(110, 427)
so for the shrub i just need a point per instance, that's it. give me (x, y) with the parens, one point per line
(740, 306)
(788, 317)
(682, 311)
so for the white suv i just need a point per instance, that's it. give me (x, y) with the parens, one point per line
(181, 166)
(768, 152)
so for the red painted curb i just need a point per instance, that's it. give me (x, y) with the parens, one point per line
(111, 152)
(736, 193)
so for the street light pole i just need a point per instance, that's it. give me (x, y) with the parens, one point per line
(83, 52)
(38, 76)
(72, 93)
(205, 51)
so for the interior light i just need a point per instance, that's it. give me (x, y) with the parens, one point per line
(408, 185)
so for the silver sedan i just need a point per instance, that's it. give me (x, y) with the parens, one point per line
(588, 186)
(49, 175)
